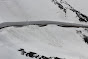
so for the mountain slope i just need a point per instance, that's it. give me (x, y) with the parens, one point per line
(51, 40)
(56, 42)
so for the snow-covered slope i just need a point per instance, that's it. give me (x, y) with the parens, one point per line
(20, 10)
(60, 42)
(51, 40)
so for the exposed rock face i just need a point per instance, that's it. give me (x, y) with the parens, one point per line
(82, 17)
(36, 55)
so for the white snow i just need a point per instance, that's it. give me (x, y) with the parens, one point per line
(61, 42)
(49, 41)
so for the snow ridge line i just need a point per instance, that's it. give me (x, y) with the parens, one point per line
(41, 24)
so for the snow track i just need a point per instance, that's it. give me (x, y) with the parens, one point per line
(41, 23)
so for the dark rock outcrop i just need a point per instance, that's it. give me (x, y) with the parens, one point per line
(35, 55)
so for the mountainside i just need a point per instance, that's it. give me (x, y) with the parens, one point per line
(20, 10)
(59, 42)
(47, 42)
